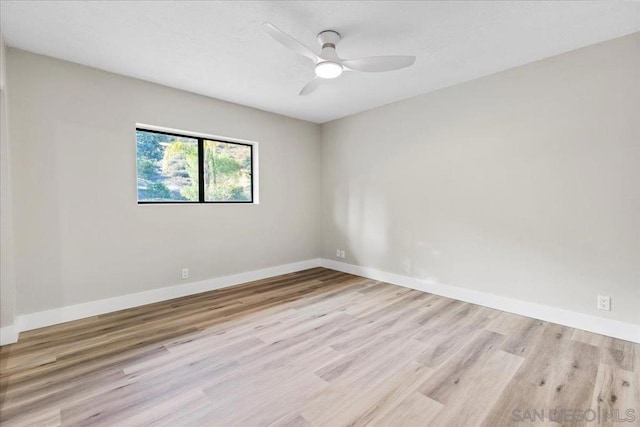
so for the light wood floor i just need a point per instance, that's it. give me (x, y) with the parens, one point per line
(311, 348)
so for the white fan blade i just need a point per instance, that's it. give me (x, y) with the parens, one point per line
(288, 41)
(311, 86)
(376, 64)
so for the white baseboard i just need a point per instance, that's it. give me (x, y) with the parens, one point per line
(8, 334)
(598, 325)
(41, 319)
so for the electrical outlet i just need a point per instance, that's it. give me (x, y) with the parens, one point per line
(604, 303)
(185, 273)
(342, 255)
(338, 253)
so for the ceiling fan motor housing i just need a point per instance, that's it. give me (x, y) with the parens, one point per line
(328, 40)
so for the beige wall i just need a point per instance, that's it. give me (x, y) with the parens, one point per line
(7, 272)
(524, 184)
(80, 235)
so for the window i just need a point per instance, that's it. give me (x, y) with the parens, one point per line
(175, 168)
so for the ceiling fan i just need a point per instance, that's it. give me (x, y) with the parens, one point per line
(328, 65)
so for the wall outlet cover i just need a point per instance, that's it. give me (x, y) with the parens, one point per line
(604, 303)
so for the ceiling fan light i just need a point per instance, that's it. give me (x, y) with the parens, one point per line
(328, 69)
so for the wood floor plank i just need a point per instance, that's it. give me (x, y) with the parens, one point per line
(616, 392)
(417, 410)
(479, 389)
(559, 373)
(312, 348)
(459, 371)
(361, 396)
(385, 398)
(38, 418)
(291, 420)
(273, 393)
(444, 344)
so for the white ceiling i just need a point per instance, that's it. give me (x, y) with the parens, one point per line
(219, 48)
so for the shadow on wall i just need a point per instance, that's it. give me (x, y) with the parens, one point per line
(443, 246)
(48, 227)
(367, 231)
(458, 224)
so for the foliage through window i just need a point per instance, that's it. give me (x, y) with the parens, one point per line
(185, 169)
